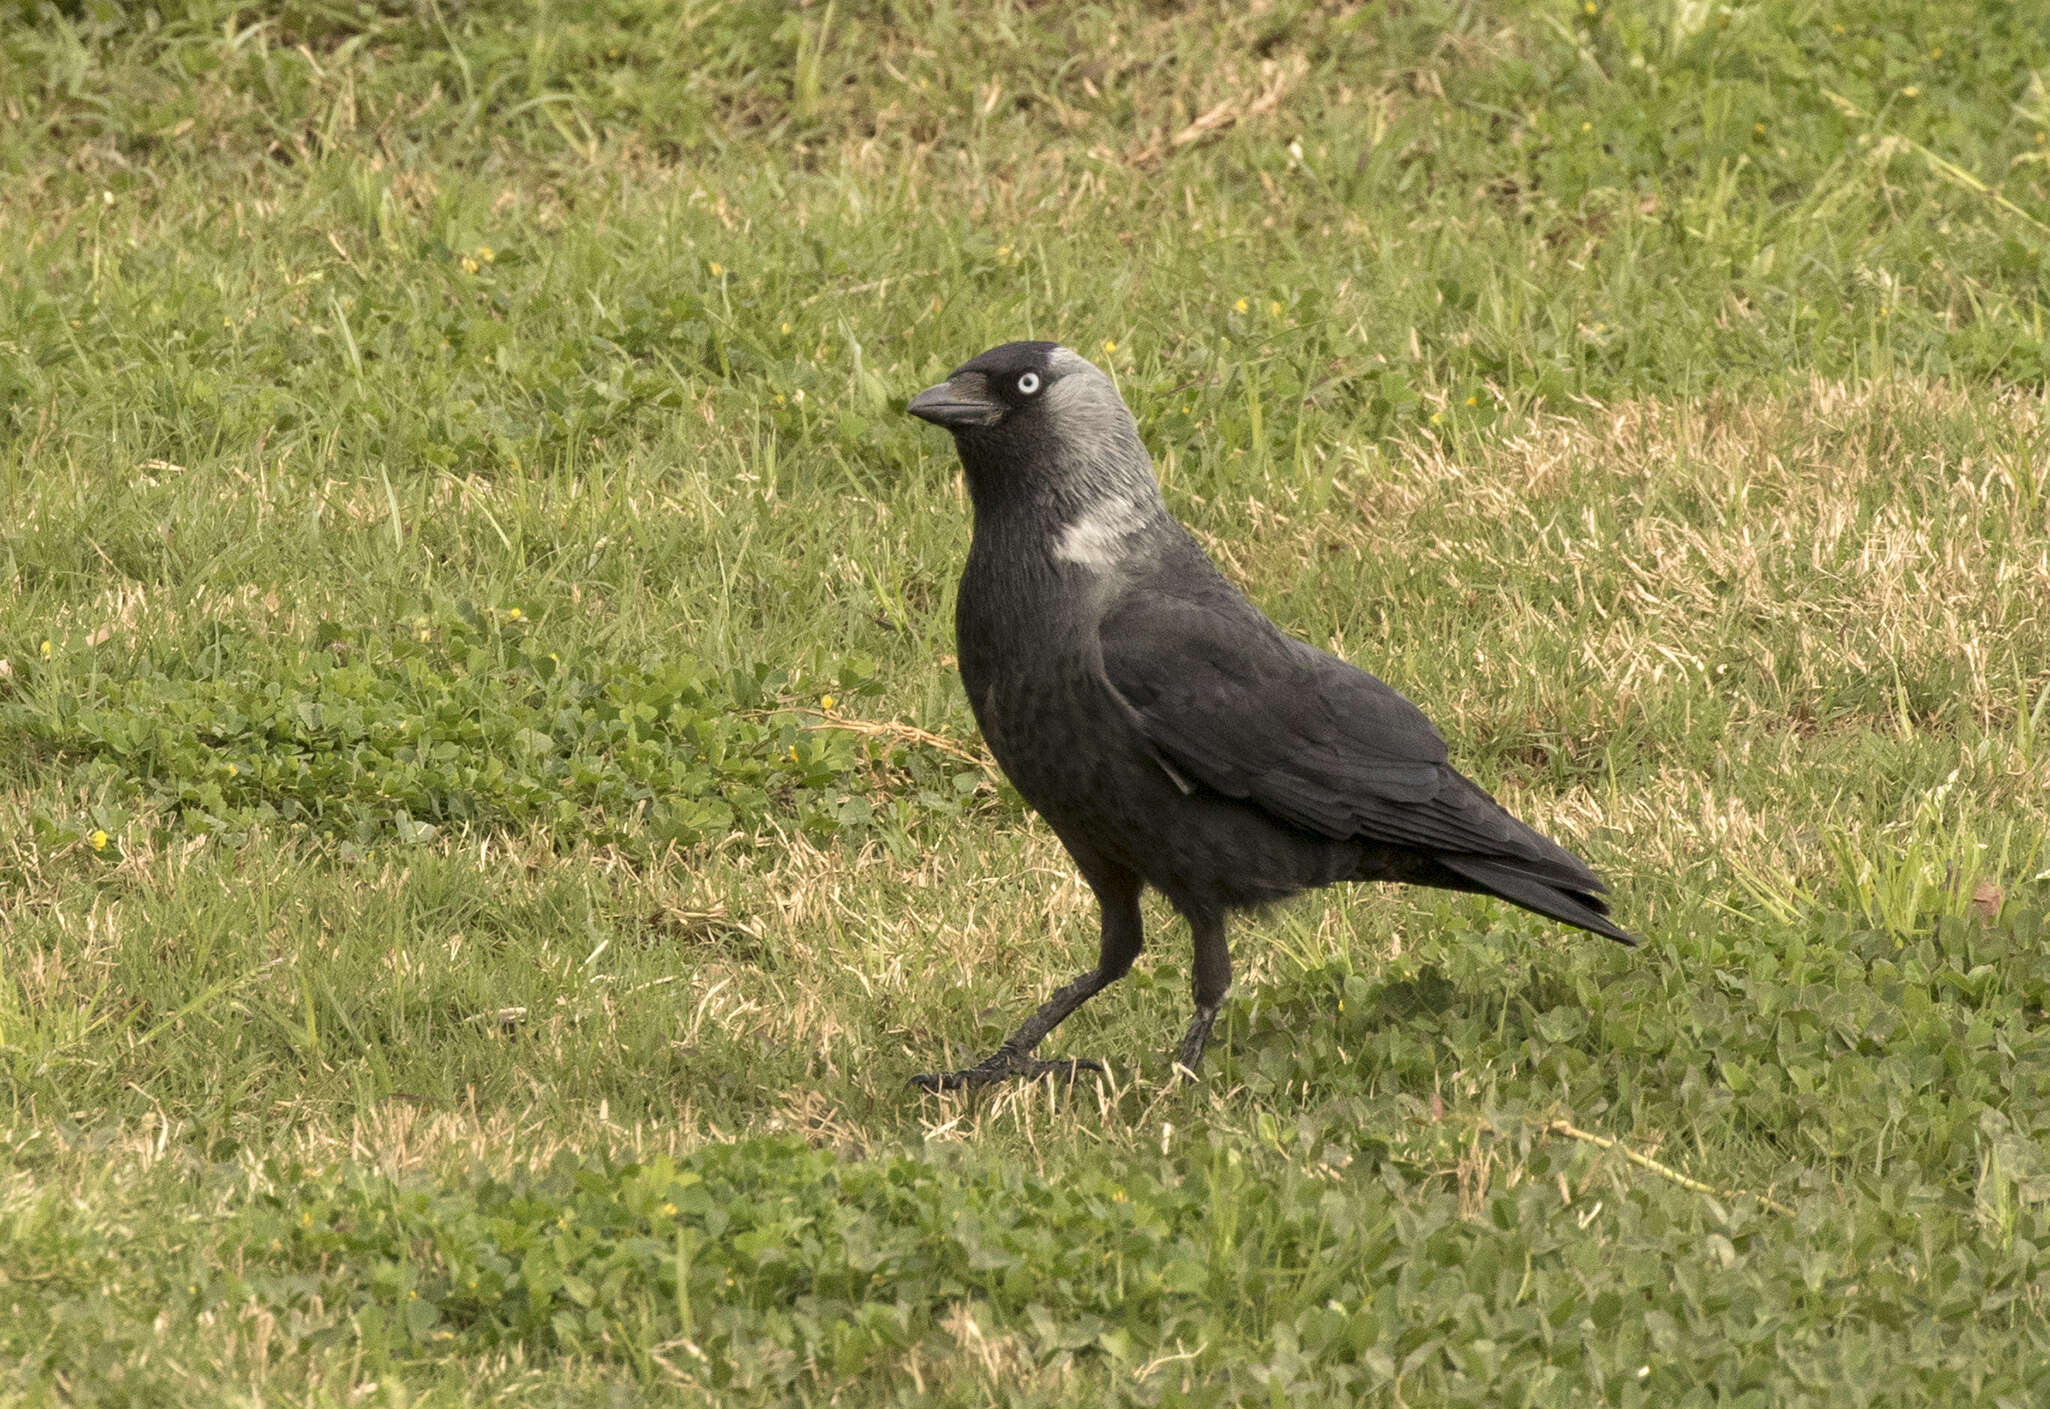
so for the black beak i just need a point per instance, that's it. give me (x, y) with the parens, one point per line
(954, 405)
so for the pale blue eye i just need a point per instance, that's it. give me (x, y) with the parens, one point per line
(1028, 383)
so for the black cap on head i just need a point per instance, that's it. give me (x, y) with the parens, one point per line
(988, 388)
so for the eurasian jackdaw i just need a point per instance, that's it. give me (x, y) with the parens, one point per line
(1169, 733)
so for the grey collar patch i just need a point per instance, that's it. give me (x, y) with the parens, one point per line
(1097, 538)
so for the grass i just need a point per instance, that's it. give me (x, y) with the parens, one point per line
(488, 820)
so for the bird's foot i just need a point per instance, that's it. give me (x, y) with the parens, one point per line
(1003, 1066)
(1189, 1056)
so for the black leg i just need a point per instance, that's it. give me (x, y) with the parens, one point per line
(1212, 981)
(1117, 895)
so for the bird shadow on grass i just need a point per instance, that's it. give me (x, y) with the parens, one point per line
(1331, 1031)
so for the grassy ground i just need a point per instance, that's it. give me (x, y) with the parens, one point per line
(488, 821)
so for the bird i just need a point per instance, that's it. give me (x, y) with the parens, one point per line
(1166, 730)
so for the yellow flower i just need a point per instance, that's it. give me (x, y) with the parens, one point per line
(1437, 416)
(233, 770)
(1273, 308)
(512, 613)
(1239, 307)
(1589, 7)
(1473, 401)
(1911, 91)
(786, 327)
(669, 1209)
(718, 269)
(424, 633)
(486, 253)
(45, 648)
(1587, 127)
(98, 840)
(1109, 347)
(469, 265)
(1937, 52)
(827, 701)
(793, 753)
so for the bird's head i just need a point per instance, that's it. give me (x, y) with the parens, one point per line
(1008, 387)
(1035, 421)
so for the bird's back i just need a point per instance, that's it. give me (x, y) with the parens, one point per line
(1313, 744)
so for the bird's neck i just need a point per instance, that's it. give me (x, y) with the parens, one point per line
(1037, 472)
(1081, 504)
(1104, 535)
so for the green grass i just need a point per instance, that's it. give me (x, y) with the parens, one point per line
(488, 819)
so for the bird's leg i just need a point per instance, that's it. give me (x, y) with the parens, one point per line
(1212, 980)
(1014, 1058)
(1123, 937)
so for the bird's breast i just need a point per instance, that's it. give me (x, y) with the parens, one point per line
(1031, 668)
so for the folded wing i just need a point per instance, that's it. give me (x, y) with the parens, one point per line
(1231, 702)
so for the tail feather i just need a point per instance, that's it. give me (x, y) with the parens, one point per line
(1506, 880)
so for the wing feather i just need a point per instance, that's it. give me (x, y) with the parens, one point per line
(1232, 702)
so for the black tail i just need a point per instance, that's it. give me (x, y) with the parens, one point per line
(1579, 908)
